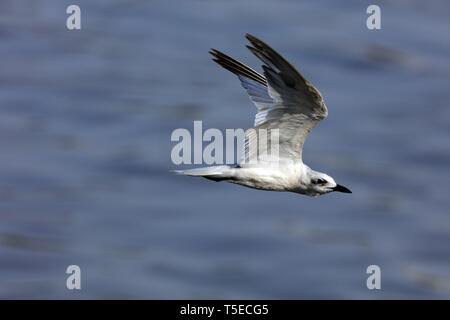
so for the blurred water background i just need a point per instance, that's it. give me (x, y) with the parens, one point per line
(85, 124)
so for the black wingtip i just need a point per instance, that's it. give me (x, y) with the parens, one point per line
(249, 36)
(213, 52)
(254, 40)
(236, 67)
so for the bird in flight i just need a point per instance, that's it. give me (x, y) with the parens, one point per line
(289, 106)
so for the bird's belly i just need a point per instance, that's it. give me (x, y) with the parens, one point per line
(264, 179)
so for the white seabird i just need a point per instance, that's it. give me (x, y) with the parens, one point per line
(288, 102)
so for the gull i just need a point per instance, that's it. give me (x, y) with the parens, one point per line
(287, 104)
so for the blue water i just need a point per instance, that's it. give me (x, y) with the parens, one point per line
(85, 124)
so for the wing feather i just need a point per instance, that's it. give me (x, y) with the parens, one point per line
(287, 103)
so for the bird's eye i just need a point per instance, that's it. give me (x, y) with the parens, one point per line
(319, 181)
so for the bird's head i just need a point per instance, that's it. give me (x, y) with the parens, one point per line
(320, 183)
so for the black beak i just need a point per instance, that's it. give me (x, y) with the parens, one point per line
(341, 189)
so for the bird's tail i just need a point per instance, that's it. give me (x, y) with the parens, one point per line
(216, 173)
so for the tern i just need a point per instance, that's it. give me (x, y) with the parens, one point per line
(287, 103)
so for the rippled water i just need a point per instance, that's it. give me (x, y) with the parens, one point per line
(85, 124)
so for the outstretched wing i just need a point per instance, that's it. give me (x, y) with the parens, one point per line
(286, 101)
